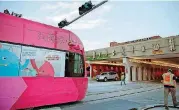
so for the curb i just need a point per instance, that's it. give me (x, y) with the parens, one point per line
(154, 106)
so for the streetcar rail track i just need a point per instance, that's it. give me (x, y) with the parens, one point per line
(111, 97)
(89, 94)
(123, 94)
(149, 88)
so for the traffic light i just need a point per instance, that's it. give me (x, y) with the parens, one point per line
(85, 7)
(62, 23)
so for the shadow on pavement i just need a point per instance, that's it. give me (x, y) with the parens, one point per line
(159, 107)
(57, 105)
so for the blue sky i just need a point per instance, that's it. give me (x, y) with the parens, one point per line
(114, 21)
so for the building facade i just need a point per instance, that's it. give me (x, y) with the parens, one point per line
(143, 59)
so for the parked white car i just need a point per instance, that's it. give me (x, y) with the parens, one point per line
(107, 76)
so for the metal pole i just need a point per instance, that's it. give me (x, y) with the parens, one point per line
(96, 6)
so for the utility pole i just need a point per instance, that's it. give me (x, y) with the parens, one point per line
(83, 10)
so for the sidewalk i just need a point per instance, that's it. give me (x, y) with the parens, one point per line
(92, 81)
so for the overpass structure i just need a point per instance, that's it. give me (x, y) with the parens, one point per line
(144, 59)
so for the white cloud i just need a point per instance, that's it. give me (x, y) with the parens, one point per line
(61, 6)
(33, 19)
(58, 18)
(71, 5)
(86, 24)
(103, 9)
(90, 45)
(48, 7)
(109, 28)
(69, 10)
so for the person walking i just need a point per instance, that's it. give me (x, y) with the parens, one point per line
(169, 82)
(123, 78)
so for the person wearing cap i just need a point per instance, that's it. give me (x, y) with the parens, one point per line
(123, 78)
(169, 82)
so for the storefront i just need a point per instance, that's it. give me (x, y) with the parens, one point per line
(94, 69)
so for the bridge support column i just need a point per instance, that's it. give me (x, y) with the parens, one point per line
(91, 69)
(140, 73)
(134, 73)
(145, 74)
(154, 73)
(149, 73)
(127, 69)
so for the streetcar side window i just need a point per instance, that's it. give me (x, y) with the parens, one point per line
(74, 65)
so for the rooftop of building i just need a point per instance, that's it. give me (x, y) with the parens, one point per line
(112, 44)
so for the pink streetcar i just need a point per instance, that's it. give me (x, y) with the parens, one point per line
(39, 64)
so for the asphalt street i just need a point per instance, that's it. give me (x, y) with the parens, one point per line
(112, 96)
